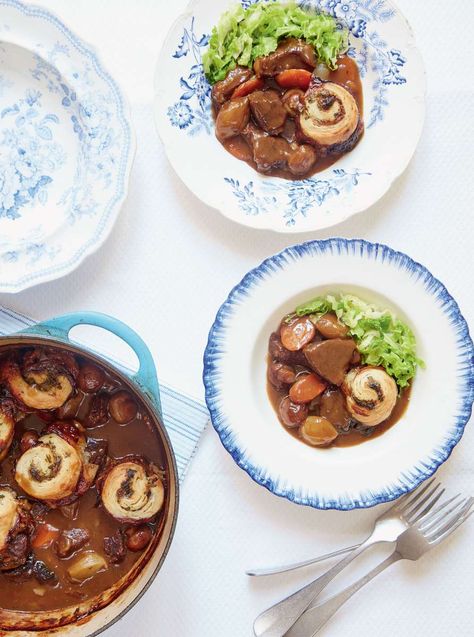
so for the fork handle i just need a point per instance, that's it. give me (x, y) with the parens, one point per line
(261, 572)
(311, 622)
(279, 618)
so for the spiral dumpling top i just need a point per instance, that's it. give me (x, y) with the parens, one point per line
(330, 114)
(132, 490)
(371, 394)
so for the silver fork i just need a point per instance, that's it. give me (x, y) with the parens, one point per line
(278, 619)
(427, 532)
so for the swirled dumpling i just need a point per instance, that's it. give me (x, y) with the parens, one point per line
(371, 394)
(37, 389)
(132, 490)
(61, 466)
(50, 470)
(330, 116)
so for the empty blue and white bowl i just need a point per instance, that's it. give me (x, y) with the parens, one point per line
(382, 468)
(393, 78)
(66, 148)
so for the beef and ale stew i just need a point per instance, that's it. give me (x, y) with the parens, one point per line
(82, 484)
(340, 371)
(287, 99)
(291, 115)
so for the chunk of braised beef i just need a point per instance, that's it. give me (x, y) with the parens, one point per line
(280, 354)
(290, 54)
(271, 152)
(39, 510)
(114, 547)
(251, 133)
(280, 375)
(43, 573)
(333, 407)
(21, 573)
(268, 111)
(16, 552)
(289, 131)
(96, 451)
(70, 511)
(302, 159)
(70, 541)
(46, 416)
(70, 407)
(221, 91)
(331, 358)
(98, 413)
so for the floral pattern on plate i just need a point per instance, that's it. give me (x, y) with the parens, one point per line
(66, 148)
(394, 85)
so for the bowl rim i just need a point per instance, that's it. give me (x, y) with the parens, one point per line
(340, 246)
(23, 340)
(124, 115)
(390, 177)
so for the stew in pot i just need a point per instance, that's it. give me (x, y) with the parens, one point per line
(82, 485)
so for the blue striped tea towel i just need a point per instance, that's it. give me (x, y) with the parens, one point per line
(185, 418)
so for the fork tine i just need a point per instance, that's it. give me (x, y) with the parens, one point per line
(457, 524)
(442, 506)
(426, 510)
(427, 503)
(430, 520)
(433, 534)
(411, 498)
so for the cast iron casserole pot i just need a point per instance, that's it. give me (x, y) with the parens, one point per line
(93, 616)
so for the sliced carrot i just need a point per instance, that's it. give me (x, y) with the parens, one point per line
(248, 87)
(44, 536)
(294, 78)
(307, 388)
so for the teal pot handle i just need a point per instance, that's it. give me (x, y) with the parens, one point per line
(59, 328)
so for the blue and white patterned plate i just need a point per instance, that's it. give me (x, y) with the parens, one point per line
(379, 469)
(393, 80)
(66, 148)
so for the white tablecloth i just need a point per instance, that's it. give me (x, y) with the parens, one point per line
(171, 260)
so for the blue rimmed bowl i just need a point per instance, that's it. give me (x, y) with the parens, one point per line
(379, 469)
(66, 148)
(393, 79)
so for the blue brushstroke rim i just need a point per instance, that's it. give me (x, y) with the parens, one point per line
(104, 227)
(365, 249)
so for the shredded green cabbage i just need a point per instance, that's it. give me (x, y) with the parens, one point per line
(242, 35)
(382, 339)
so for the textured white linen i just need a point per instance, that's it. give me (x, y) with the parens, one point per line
(170, 261)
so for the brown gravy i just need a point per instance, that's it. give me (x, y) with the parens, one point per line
(136, 437)
(352, 437)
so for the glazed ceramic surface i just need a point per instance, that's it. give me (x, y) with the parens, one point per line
(66, 148)
(393, 79)
(379, 469)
